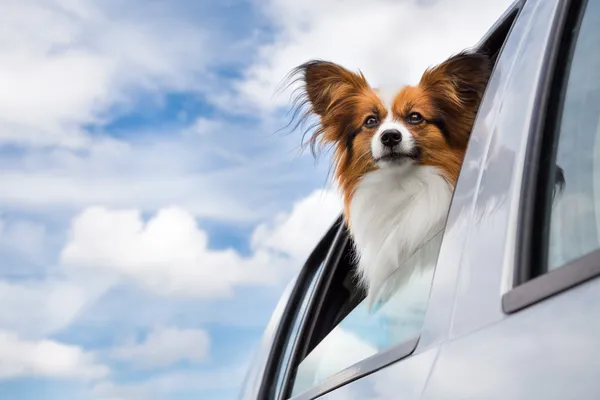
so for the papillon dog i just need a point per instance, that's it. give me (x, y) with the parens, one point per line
(396, 159)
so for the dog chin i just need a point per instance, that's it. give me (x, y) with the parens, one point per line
(396, 159)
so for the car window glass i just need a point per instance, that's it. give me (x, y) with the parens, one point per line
(396, 316)
(575, 216)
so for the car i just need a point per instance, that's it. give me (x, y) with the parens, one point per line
(510, 306)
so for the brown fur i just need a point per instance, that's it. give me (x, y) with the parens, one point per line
(447, 96)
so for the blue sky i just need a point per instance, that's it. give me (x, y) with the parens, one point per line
(150, 215)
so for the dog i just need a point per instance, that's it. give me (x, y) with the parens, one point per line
(396, 159)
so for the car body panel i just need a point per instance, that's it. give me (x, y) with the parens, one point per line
(547, 351)
(488, 257)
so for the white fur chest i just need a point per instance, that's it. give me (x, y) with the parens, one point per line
(393, 212)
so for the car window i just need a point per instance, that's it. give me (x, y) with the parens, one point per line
(575, 215)
(395, 316)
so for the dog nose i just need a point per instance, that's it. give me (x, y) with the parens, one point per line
(391, 137)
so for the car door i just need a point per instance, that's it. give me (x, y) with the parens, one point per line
(526, 319)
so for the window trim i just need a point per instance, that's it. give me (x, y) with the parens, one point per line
(273, 365)
(404, 349)
(495, 32)
(528, 287)
(360, 369)
(315, 304)
(556, 281)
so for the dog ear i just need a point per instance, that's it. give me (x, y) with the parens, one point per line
(462, 78)
(325, 89)
(456, 87)
(325, 82)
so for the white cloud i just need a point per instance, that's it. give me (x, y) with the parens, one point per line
(94, 60)
(169, 385)
(36, 308)
(392, 42)
(230, 177)
(170, 254)
(27, 238)
(88, 57)
(164, 347)
(46, 358)
(296, 233)
(207, 126)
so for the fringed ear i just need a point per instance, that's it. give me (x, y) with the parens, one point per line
(457, 86)
(322, 87)
(464, 76)
(325, 82)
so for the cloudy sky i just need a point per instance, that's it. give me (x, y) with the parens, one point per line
(150, 213)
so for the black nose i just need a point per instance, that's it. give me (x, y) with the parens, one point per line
(391, 137)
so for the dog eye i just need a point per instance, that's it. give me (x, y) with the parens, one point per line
(371, 121)
(415, 118)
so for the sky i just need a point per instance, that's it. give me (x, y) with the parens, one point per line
(151, 210)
